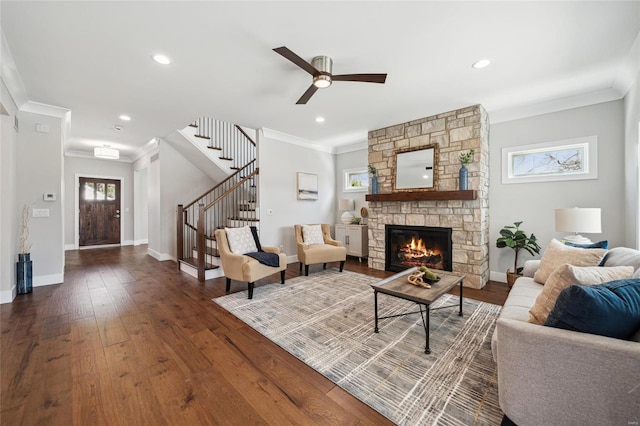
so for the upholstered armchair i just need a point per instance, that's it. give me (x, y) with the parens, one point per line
(241, 267)
(315, 245)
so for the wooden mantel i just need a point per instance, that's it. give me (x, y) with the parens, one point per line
(424, 195)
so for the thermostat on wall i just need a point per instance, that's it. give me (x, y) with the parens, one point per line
(49, 196)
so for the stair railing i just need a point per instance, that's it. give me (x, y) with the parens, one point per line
(229, 203)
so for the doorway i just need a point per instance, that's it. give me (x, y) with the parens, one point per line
(99, 211)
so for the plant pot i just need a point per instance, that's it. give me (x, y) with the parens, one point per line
(511, 278)
(24, 273)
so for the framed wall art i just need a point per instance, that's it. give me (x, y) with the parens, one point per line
(570, 159)
(307, 186)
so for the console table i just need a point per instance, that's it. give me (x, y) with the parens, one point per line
(355, 238)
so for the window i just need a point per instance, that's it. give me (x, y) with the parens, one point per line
(356, 180)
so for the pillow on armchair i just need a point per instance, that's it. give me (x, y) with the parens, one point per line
(312, 234)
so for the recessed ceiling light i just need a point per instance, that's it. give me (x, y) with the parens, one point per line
(162, 59)
(124, 117)
(319, 119)
(481, 63)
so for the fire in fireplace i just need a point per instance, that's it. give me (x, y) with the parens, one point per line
(407, 246)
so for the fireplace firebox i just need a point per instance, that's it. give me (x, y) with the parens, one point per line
(407, 246)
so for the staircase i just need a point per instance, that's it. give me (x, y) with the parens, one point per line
(231, 203)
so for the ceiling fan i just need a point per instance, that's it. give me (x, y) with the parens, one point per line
(320, 69)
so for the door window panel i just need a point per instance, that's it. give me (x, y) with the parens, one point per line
(88, 191)
(100, 192)
(111, 192)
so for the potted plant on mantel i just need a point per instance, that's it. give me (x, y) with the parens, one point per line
(517, 239)
(24, 281)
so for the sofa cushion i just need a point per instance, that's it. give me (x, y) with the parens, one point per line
(566, 275)
(619, 256)
(557, 254)
(312, 234)
(604, 244)
(241, 240)
(611, 309)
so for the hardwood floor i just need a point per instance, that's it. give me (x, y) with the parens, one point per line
(129, 340)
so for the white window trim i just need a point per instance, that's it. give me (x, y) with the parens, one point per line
(345, 180)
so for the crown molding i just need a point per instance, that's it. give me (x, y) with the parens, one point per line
(629, 68)
(45, 109)
(145, 149)
(358, 146)
(293, 140)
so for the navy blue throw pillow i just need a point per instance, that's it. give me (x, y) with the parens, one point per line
(604, 244)
(611, 309)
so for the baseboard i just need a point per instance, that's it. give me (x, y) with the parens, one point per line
(7, 296)
(42, 280)
(160, 256)
(292, 259)
(68, 247)
(127, 243)
(498, 276)
(140, 242)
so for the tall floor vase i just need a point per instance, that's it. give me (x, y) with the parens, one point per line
(463, 178)
(24, 273)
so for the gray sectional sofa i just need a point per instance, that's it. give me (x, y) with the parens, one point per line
(549, 376)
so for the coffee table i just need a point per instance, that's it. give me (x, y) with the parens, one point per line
(398, 286)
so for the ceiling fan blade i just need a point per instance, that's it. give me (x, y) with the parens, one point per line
(366, 78)
(307, 95)
(296, 60)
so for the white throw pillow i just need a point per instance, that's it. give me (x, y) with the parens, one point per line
(241, 240)
(558, 254)
(312, 234)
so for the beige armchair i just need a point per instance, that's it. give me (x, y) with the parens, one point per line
(244, 268)
(330, 251)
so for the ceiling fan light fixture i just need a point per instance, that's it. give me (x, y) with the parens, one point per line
(322, 81)
(106, 152)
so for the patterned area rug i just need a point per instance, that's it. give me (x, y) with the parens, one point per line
(327, 321)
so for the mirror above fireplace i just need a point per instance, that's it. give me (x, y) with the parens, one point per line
(416, 168)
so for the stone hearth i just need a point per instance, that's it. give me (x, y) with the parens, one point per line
(453, 131)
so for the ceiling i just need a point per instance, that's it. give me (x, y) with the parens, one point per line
(94, 58)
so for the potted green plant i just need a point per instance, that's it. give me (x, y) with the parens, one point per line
(374, 178)
(516, 239)
(463, 174)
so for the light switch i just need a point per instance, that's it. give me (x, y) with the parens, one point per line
(269, 212)
(40, 212)
(42, 128)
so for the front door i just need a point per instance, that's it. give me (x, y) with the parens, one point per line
(99, 211)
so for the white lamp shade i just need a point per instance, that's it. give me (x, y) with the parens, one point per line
(346, 204)
(578, 220)
(106, 152)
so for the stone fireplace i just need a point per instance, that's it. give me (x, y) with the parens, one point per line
(408, 246)
(466, 213)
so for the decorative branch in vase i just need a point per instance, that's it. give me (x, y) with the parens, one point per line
(24, 269)
(374, 178)
(463, 175)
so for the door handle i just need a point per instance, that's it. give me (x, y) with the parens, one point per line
(117, 216)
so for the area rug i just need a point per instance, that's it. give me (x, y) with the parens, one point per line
(327, 321)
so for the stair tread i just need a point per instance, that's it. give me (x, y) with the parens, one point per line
(202, 137)
(226, 158)
(244, 219)
(210, 251)
(215, 147)
(194, 262)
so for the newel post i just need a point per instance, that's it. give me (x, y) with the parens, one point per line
(180, 233)
(200, 244)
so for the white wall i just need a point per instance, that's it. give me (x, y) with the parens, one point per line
(632, 172)
(345, 161)
(279, 161)
(140, 207)
(39, 174)
(534, 203)
(171, 180)
(90, 167)
(8, 207)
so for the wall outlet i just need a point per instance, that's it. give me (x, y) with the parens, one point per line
(281, 247)
(269, 212)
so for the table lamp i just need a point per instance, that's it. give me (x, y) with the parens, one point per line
(577, 220)
(347, 206)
